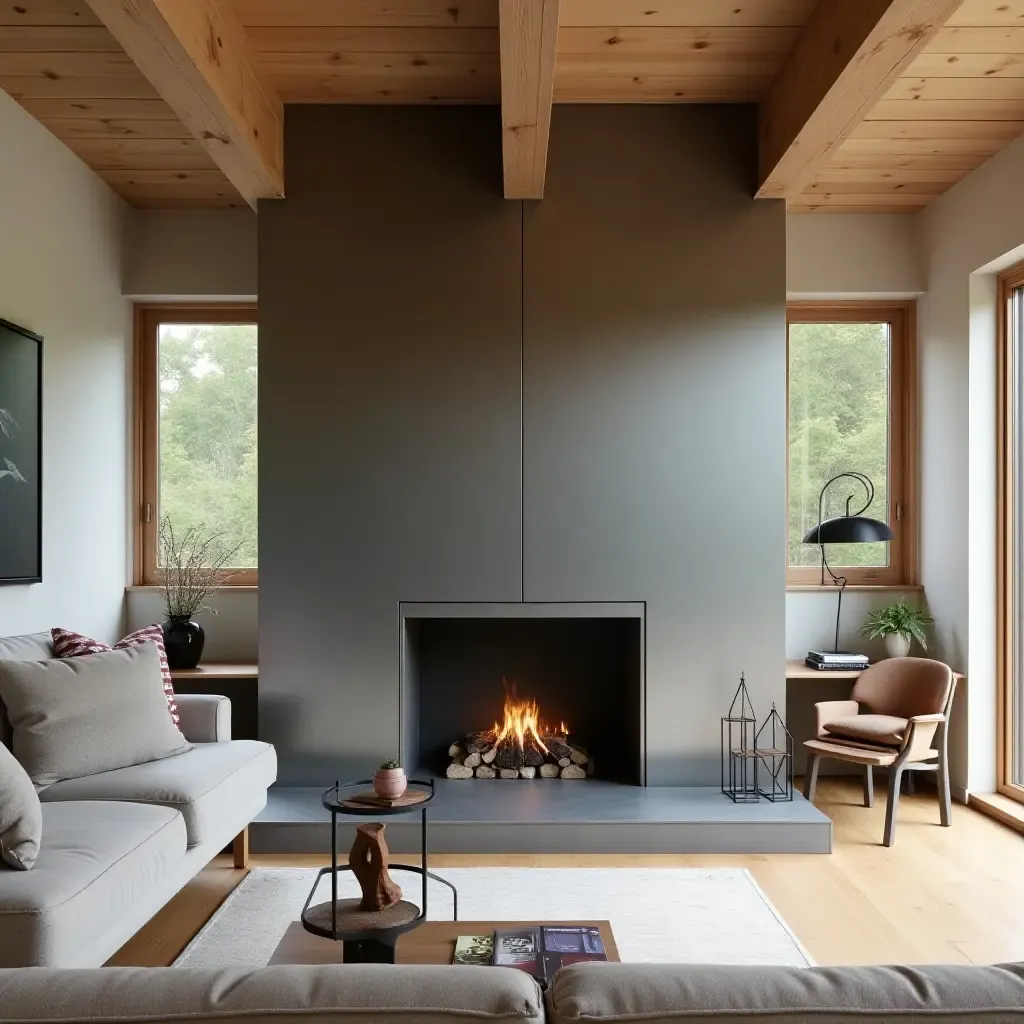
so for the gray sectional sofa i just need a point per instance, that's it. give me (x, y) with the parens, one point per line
(118, 845)
(590, 993)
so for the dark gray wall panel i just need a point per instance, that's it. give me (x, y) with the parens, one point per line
(654, 405)
(395, 329)
(390, 328)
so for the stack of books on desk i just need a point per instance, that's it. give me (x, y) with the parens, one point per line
(836, 661)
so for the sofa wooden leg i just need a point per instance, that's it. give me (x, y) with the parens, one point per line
(811, 776)
(869, 786)
(240, 848)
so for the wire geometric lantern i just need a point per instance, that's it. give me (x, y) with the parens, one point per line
(739, 739)
(774, 768)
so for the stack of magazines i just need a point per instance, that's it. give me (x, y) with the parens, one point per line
(539, 951)
(836, 661)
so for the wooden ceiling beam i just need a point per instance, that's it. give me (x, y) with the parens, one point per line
(196, 55)
(844, 60)
(528, 38)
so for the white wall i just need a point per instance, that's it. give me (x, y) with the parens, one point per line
(176, 255)
(191, 254)
(232, 626)
(61, 235)
(852, 255)
(966, 236)
(856, 256)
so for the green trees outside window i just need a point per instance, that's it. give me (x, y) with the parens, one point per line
(207, 431)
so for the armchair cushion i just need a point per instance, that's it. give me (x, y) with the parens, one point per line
(881, 730)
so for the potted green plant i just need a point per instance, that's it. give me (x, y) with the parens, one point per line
(898, 625)
(389, 780)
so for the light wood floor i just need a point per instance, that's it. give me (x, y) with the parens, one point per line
(939, 895)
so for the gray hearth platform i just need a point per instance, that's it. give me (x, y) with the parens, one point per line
(553, 816)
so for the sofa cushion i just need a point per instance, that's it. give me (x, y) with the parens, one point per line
(353, 994)
(91, 714)
(878, 730)
(674, 993)
(97, 860)
(201, 784)
(67, 644)
(21, 817)
(27, 647)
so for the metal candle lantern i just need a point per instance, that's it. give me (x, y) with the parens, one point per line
(739, 762)
(774, 748)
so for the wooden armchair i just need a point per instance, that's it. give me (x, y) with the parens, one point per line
(897, 718)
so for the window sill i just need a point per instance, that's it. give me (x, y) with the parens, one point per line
(810, 588)
(156, 588)
(1002, 808)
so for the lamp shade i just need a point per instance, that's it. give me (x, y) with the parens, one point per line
(848, 530)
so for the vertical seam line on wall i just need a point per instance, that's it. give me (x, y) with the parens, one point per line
(522, 400)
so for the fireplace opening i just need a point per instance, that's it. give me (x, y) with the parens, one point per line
(522, 745)
(559, 694)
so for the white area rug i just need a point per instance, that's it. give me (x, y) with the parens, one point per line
(668, 915)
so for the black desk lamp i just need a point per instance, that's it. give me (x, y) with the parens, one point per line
(851, 528)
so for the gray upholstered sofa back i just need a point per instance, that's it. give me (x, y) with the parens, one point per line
(678, 994)
(29, 647)
(582, 994)
(358, 994)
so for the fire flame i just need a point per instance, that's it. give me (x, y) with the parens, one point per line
(522, 724)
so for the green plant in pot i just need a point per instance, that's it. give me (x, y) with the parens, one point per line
(389, 780)
(193, 566)
(898, 625)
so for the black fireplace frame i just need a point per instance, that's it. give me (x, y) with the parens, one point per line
(413, 611)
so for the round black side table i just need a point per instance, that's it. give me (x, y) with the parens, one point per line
(370, 937)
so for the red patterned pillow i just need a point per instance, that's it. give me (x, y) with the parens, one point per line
(71, 645)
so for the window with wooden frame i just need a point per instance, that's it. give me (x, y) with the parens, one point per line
(851, 388)
(1010, 533)
(195, 409)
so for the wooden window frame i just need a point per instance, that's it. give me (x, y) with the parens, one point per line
(1006, 428)
(903, 450)
(148, 317)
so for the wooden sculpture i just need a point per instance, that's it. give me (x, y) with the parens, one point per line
(369, 860)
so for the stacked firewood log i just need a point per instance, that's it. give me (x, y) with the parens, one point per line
(481, 755)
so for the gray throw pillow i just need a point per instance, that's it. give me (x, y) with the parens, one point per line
(21, 817)
(80, 716)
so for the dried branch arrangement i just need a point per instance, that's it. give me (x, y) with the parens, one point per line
(194, 564)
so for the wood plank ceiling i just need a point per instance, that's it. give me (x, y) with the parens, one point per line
(958, 103)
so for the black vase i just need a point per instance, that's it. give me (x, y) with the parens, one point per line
(184, 641)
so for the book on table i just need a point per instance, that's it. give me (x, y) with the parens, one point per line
(518, 948)
(836, 660)
(832, 656)
(538, 951)
(477, 950)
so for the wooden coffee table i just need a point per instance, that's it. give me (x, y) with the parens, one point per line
(433, 942)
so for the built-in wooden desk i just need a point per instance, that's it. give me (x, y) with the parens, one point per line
(796, 669)
(218, 670)
(235, 680)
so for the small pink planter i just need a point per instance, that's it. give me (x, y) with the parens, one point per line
(390, 783)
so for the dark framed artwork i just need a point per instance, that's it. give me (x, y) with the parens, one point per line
(21, 455)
